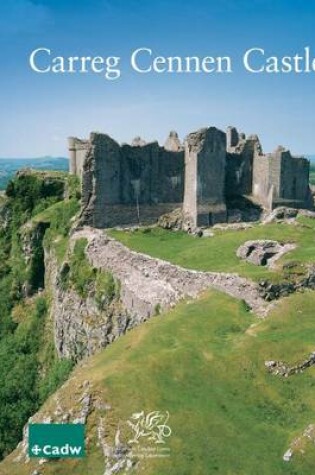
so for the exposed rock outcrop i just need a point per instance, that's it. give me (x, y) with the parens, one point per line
(280, 214)
(283, 369)
(80, 403)
(173, 220)
(81, 325)
(5, 214)
(272, 291)
(285, 214)
(148, 286)
(263, 252)
(299, 444)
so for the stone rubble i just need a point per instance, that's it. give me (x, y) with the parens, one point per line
(263, 252)
(279, 214)
(287, 455)
(117, 456)
(282, 369)
(270, 291)
(285, 214)
(148, 286)
(299, 444)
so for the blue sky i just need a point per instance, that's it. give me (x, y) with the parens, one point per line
(38, 111)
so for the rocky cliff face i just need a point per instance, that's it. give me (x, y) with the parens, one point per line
(148, 286)
(81, 325)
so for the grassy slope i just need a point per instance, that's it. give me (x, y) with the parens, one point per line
(204, 363)
(218, 253)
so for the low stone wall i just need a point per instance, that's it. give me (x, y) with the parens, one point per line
(147, 282)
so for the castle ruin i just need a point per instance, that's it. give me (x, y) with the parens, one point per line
(125, 184)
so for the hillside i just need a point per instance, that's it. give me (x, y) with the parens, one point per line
(204, 363)
(221, 359)
(9, 166)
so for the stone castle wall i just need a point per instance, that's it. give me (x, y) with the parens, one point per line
(294, 177)
(125, 185)
(281, 179)
(135, 184)
(240, 162)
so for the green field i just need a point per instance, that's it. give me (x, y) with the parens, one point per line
(218, 253)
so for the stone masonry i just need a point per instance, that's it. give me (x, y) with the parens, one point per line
(135, 184)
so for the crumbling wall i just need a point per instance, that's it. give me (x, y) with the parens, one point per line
(294, 177)
(100, 179)
(281, 179)
(151, 175)
(240, 161)
(125, 185)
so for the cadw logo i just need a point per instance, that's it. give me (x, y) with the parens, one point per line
(56, 440)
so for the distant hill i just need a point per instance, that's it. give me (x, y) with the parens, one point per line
(9, 166)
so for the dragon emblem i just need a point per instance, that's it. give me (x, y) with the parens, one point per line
(152, 426)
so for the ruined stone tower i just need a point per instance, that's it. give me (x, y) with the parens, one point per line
(205, 162)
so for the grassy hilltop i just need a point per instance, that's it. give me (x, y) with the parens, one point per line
(203, 361)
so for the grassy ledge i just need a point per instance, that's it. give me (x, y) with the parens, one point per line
(218, 253)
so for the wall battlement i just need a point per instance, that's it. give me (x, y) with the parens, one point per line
(126, 184)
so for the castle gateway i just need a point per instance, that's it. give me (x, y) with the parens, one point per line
(205, 176)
